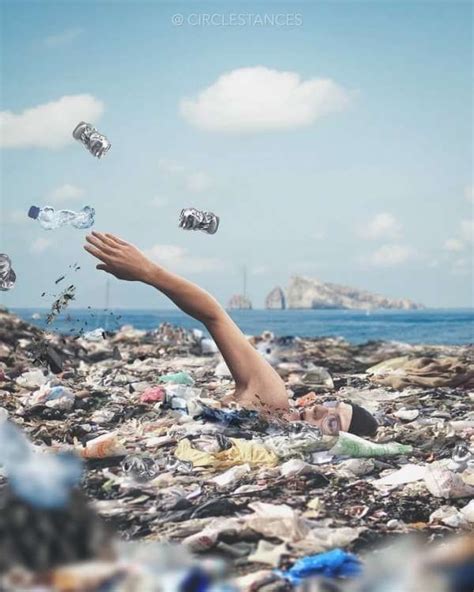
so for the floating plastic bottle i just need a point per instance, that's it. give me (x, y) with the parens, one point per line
(141, 468)
(97, 144)
(50, 219)
(192, 219)
(7, 275)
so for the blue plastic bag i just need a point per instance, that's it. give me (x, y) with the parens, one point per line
(333, 564)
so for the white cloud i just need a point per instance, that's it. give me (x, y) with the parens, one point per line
(49, 125)
(159, 201)
(261, 99)
(195, 182)
(66, 192)
(383, 225)
(467, 230)
(63, 38)
(391, 255)
(179, 259)
(454, 244)
(40, 245)
(198, 182)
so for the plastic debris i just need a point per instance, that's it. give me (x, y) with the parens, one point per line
(61, 303)
(356, 447)
(448, 484)
(56, 397)
(141, 468)
(461, 458)
(95, 335)
(178, 378)
(259, 491)
(107, 445)
(7, 275)
(155, 394)
(333, 564)
(231, 476)
(50, 219)
(96, 143)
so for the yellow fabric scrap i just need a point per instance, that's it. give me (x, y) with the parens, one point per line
(241, 452)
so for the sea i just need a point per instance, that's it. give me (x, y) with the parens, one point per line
(436, 326)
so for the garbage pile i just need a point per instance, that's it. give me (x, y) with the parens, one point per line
(204, 495)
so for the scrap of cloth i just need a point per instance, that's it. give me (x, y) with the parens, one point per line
(241, 452)
(425, 372)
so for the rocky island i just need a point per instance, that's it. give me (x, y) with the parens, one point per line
(239, 302)
(307, 293)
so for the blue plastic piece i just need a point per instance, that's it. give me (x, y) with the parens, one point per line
(333, 564)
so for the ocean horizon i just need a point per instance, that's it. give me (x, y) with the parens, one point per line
(430, 326)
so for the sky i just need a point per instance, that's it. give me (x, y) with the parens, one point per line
(333, 139)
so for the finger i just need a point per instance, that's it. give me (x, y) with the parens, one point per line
(97, 253)
(116, 239)
(103, 267)
(103, 237)
(100, 245)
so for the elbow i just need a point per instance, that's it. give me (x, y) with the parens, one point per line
(214, 314)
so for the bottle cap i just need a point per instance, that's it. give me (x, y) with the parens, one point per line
(33, 212)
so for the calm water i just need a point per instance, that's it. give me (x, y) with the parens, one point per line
(420, 326)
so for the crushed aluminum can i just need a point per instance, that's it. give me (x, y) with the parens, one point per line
(97, 144)
(141, 468)
(7, 275)
(192, 219)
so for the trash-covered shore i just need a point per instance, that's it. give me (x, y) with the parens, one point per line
(168, 459)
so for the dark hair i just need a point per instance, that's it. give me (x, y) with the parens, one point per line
(363, 423)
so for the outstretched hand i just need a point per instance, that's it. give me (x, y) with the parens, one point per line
(119, 258)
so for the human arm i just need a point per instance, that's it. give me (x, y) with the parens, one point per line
(255, 380)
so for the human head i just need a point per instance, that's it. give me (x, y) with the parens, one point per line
(331, 418)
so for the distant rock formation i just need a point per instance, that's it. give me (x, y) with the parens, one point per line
(239, 302)
(309, 293)
(276, 299)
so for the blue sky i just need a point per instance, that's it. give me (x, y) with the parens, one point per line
(334, 141)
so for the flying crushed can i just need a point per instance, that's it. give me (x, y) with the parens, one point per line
(97, 144)
(192, 219)
(7, 275)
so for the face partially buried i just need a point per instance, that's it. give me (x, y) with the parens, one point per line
(330, 418)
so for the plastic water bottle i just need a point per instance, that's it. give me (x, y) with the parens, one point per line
(192, 219)
(50, 219)
(97, 144)
(7, 275)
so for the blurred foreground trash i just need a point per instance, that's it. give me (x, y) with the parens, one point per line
(43, 479)
(7, 275)
(95, 142)
(50, 219)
